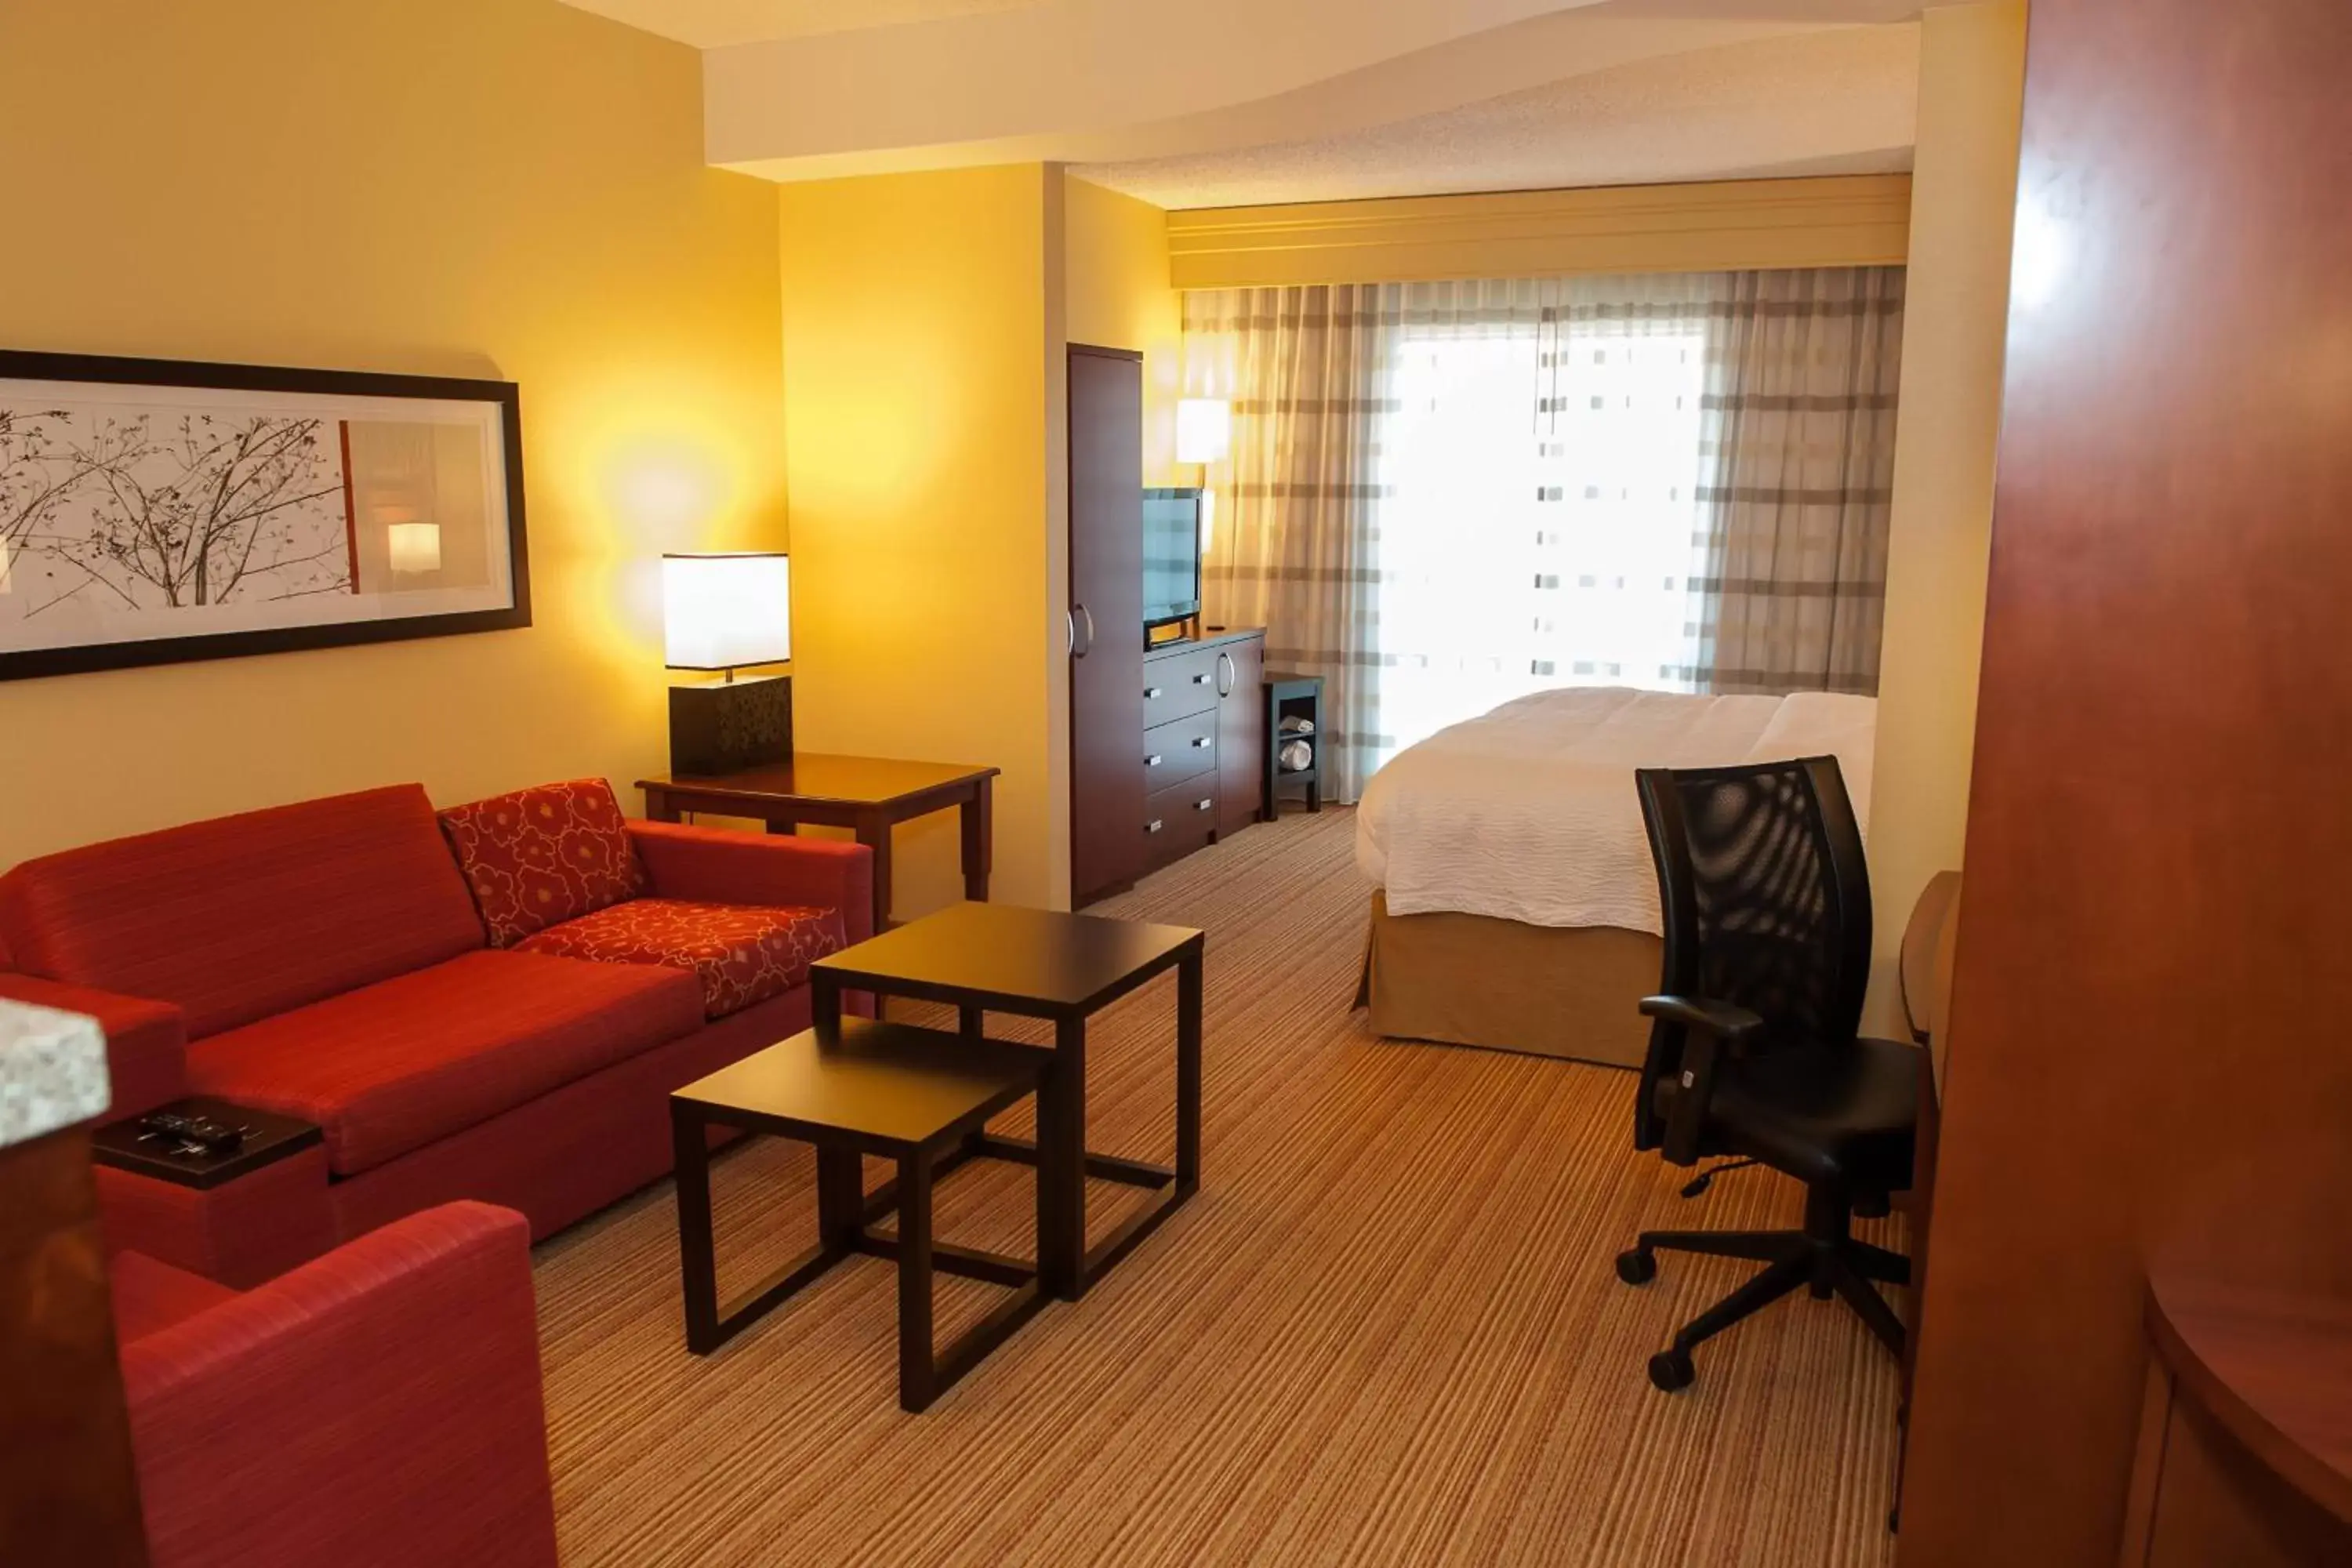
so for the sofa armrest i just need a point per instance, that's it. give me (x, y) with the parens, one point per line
(378, 1405)
(146, 1042)
(711, 865)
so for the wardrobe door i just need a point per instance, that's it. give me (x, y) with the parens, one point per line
(1241, 732)
(1104, 624)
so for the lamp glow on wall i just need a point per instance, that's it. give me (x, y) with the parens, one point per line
(1204, 435)
(722, 613)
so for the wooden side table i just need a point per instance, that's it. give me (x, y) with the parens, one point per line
(849, 1088)
(868, 795)
(1040, 963)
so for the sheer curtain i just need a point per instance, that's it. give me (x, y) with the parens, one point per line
(1446, 495)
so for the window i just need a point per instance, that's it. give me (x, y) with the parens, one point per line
(1538, 516)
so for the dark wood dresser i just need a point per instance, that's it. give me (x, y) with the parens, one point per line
(1203, 746)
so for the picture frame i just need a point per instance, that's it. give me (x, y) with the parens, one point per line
(159, 511)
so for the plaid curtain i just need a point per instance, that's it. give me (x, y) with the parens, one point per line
(1791, 590)
(1292, 542)
(1443, 495)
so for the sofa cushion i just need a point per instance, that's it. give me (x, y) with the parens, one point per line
(150, 1296)
(245, 916)
(740, 954)
(409, 1060)
(542, 856)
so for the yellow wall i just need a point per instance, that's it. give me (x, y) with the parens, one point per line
(917, 341)
(1964, 191)
(506, 188)
(1116, 284)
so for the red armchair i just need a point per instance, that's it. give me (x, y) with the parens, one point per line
(380, 1404)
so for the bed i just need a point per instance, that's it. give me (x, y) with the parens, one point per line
(1514, 904)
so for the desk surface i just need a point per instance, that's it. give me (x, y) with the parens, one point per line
(817, 776)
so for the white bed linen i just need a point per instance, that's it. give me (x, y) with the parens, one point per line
(1529, 813)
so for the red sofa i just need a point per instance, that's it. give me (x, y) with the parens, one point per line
(331, 960)
(380, 1405)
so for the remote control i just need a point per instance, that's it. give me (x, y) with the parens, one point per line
(194, 1133)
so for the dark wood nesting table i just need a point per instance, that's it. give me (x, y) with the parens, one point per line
(1041, 963)
(868, 795)
(857, 1088)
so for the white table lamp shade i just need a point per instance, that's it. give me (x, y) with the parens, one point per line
(1204, 429)
(413, 546)
(719, 612)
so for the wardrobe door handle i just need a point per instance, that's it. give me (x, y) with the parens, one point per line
(1227, 669)
(1075, 651)
(1070, 633)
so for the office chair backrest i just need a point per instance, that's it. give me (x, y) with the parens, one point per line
(1767, 903)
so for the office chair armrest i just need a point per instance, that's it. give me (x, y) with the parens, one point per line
(1708, 1027)
(1722, 1020)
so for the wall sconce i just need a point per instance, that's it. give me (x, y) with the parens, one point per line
(1204, 435)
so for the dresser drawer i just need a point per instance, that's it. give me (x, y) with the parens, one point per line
(1179, 820)
(1179, 686)
(1177, 750)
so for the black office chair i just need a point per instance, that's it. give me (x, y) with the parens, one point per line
(1754, 1051)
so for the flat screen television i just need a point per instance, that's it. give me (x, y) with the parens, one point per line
(1171, 555)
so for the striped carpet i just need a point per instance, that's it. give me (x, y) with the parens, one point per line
(1387, 1331)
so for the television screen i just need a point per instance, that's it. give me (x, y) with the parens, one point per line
(1171, 554)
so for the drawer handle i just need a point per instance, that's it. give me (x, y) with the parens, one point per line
(1202, 679)
(1152, 826)
(1202, 804)
(1204, 742)
(1151, 762)
(1149, 692)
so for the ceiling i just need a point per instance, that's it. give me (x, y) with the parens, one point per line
(1836, 102)
(1230, 103)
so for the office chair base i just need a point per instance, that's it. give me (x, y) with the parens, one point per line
(1822, 1259)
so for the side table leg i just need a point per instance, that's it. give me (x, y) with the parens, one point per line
(874, 831)
(976, 817)
(698, 1264)
(1062, 1165)
(1189, 979)
(917, 1375)
(840, 1198)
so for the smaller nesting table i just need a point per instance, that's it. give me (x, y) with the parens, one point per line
(854, 1089)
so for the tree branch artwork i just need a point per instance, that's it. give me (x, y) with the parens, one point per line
(207, 511)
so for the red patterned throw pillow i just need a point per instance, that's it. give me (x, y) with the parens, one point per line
(542, 856)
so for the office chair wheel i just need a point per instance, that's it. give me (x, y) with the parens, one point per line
(1636, 1267)
(1671, 1371)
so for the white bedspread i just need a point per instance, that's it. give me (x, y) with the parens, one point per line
(1529, 813)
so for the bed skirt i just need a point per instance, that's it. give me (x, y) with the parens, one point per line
(1470, 980)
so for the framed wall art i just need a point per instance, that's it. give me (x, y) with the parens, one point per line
(158, 511)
